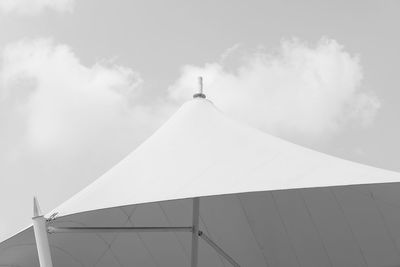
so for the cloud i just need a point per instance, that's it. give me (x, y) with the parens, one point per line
(297, 91)
(56, 102)
(33, 7)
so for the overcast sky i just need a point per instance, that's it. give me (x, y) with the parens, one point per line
(83, 82)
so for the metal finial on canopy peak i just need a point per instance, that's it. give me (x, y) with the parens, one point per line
(36, 208)
(200, 93)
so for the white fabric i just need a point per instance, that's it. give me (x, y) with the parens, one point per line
(200, 152)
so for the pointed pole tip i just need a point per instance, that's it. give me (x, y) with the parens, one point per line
(36, 208)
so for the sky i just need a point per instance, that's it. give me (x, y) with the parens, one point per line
(83, 82)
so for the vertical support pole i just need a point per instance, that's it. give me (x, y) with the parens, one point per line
(200, 85)
(195, 233)
(200, 93)
(42, 242)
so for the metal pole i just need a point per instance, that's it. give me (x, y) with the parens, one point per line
(117, 229)
(200, 93)
(195, 236)
(218, 249)
(200, 85)
(42, 242)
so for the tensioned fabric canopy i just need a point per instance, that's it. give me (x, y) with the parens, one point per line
(265, 201)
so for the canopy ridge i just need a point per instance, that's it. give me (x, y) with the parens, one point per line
(349, 226)
(143, 243)
(290, 241)
(176, 236)
(267, 264)
(300, 193)
(385, 224)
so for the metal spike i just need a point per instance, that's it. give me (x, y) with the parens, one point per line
(36, 208)
(200, 93)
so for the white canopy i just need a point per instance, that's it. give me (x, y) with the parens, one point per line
(233, 168)
(200, 152)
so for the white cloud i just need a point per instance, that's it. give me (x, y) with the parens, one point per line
(32, 7)
(59, 103)
(297, 91)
